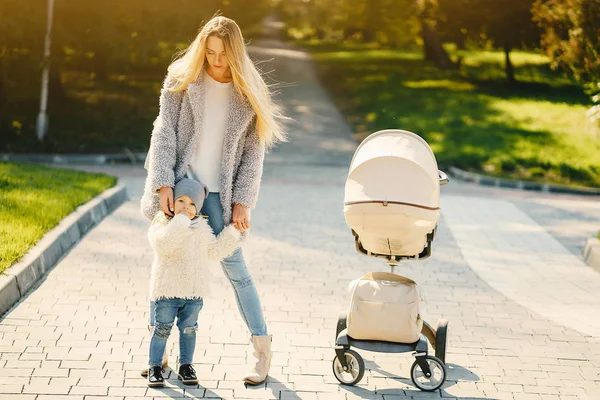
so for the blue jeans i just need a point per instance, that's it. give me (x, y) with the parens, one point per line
(162, 317)
(235, 269)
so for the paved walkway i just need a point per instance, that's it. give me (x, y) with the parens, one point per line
(520, 304)
(569, 219)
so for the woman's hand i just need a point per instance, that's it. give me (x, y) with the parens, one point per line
(165, 197)
(241, 217)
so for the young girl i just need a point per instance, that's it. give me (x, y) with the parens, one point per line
(183, 245)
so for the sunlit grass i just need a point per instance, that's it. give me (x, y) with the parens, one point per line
(536, 129)
(368, 55)
(445, 84)
(33, 200)
(518, 58)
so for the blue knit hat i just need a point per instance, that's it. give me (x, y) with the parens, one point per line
(195, 190)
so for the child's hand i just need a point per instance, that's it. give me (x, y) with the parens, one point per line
(182, 217)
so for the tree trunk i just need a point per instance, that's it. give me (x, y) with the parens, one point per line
(100, 67)
(368, 35)
(348, 32)
(2, 85)
(461, 41)
(428, 53)
(432, 46)
(510, 71)
(55, 86)
(320, 32)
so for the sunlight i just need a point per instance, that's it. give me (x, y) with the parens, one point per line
(455, 86)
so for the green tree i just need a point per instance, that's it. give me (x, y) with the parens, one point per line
(114, 36)
(389, 22)
(22, 32)
(457, 21)
(571, 37)
(507, 24)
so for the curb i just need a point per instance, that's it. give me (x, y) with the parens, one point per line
(485, 180)
(74, 159)
(17, 280)
(591, 253)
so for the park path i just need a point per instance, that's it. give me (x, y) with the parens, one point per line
(497, 273)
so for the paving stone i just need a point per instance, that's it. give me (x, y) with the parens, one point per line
(11, 388)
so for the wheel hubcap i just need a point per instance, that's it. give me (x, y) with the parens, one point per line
(429, 380)
(347, 374)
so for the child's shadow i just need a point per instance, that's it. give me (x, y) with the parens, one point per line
(175, 389)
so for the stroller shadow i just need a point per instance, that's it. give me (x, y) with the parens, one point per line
(455, 373)
(403, 393)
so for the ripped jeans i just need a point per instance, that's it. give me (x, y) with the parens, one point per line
(162, 317)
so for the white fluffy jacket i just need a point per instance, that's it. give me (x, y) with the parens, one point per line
(175, 136)
(182, 253)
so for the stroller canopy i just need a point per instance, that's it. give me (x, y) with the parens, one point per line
(394, 166)
(392, 193)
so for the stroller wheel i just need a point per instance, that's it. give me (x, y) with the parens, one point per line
(436, 378)
(355, 371)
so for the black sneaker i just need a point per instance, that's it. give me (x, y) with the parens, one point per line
(144, 372)
(155, 378)
(187, 375)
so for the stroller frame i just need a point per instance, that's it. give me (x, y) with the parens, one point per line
(349, 361)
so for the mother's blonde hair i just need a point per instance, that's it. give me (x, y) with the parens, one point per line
(246, 78)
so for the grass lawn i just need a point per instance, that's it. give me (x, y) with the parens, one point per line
(534, 130)
(33, 200)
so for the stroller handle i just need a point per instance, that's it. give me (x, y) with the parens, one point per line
(443, 178)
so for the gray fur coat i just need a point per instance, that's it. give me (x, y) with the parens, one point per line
(175, 135)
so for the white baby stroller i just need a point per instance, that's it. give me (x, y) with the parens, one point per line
(391, 203)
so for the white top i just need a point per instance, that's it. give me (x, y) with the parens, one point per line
(205, 164)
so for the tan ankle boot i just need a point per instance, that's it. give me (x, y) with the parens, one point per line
(263, 354)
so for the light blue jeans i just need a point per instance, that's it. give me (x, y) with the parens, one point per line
(162, 317)
(235, 269)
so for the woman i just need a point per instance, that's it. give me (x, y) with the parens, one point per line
(216, 119)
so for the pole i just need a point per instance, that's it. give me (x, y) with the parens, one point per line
(42, 120)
